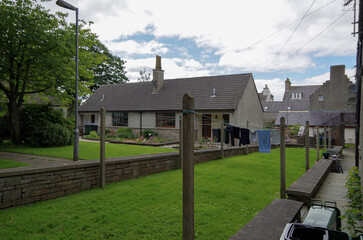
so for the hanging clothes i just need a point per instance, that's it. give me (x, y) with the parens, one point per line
(264, 142)
(276, 137)
(244, 136)
(217, 134)
(229, 134)
(236, 131)
(253, 135)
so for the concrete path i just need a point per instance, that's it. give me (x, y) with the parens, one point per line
(333, 187)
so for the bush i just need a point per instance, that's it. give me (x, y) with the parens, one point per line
(354, 213)
(125, 133)
(42, 126)
(147, 133)
(93, 134)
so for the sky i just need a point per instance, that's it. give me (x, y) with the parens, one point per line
(273, 40)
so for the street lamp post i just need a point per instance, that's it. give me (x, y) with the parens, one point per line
(66, 5)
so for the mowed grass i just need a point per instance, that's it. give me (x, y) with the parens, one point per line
(88, 150)
(7, 163)
(228, 193)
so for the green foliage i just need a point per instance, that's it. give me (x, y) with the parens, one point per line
(93, 134)
(43, 126)
(38, 56)
(353, 214)
(125, 133)
(148, 133)
(294, 130)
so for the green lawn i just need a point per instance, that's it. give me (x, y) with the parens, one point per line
(7, 163)
(228, 193)
(88, 150)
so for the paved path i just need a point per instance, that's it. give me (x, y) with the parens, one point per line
(333, 187)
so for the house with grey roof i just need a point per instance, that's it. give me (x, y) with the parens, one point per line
(330, 104)
(157, 104)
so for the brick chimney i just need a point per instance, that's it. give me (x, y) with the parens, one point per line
(337, 72)
(287, 85)
(158, 76)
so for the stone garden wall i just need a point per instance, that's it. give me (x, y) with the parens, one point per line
(33, 184)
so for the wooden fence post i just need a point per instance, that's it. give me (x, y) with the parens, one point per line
(181, 141)
(102, 150)
(222, 138)
(247, 126)
(282, 159)
(188, 167)
(307, 128)
(325, 137)
(329, 137)
(317, 144)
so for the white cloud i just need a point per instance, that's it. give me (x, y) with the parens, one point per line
(173, 68)
(133, 47)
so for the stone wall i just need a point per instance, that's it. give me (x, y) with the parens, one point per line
(33, 184)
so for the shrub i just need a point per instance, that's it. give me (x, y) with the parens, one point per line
(147, 133)
(125, 133)
(354, 213)
(93, 134)
(43, 126)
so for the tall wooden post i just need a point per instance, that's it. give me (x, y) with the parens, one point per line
(222, 138)
(307, 127)
(317, 144)
(102, 150)
(247, 126)
(325, 137)
(188, 167)
(282, 159)
(181, 141)
(329, 137)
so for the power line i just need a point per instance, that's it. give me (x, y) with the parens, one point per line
(292, 34)
(270, 35)
(298, 51)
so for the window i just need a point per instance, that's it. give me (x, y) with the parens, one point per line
(93, 118)
(165, 120)
(321, 98)
(296, 95)
(226, 118)
(120, 119)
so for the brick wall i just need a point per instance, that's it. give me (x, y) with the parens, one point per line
(33, 184)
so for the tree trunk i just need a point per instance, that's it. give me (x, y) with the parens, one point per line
(14, 112)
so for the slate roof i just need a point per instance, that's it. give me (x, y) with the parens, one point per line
(283, 106)
(139, 97)
(317, 118)
(306, 91)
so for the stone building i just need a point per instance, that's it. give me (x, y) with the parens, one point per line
(157, 105)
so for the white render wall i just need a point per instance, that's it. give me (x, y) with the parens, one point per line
(249, 109)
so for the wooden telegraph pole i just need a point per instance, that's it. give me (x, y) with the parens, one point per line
(188, 167)
(317, 144)
(282, 159)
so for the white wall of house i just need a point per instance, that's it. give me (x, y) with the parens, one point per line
(249, 108)
(349, 135)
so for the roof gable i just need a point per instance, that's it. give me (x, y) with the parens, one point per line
(228, 91)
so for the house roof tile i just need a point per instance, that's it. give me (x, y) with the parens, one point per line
(139, 96)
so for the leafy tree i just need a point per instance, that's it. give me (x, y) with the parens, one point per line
(38, 56)
(110, 71)
(32, 53)
(144, 77)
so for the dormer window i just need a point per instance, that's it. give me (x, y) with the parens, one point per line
(296, 95)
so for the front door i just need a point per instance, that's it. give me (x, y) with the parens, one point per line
(206, 125)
